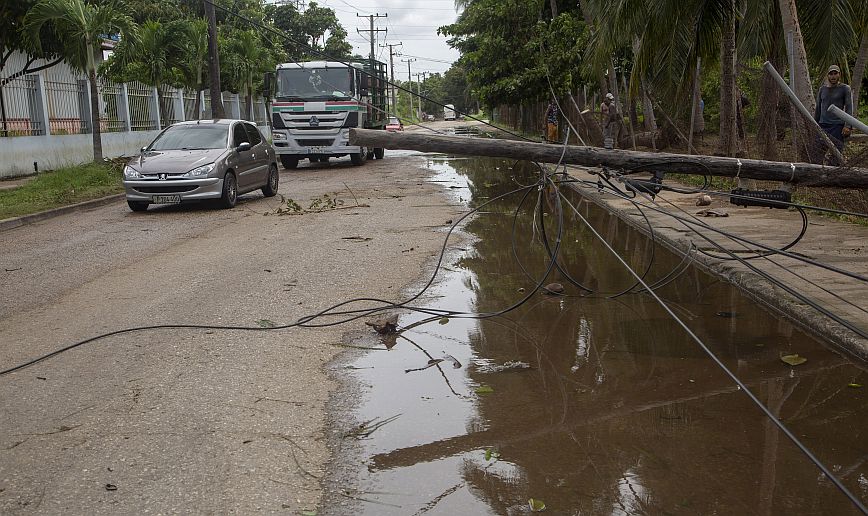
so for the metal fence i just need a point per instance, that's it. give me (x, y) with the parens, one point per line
(32, 106)
(17, 104)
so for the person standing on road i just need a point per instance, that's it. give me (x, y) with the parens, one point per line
(608, 119)
(552, 119)
(833, 93)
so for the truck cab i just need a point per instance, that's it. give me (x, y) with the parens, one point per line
(315, 104)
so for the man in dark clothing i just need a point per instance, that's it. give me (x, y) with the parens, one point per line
(834, 92)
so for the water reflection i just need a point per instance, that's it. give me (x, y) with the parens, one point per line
(594, 405)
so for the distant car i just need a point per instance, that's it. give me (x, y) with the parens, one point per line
(430, 118)
(394, 124)
(206, 159)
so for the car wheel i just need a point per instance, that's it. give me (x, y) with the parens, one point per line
(359, 158)
(230, 191)
(379, 153)
(289, 162)
(270, 188)
(138, 205)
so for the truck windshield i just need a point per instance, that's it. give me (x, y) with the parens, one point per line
(316, 83)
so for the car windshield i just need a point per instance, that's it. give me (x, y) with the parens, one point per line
(316, 83)
(192, 137)
(394, 121)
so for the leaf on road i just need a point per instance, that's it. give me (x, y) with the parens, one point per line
(536, 505)
(491, 454)
(265, 323)
(793, 360)
(455, 363)
(484, 389)
(854, 385)
(444, 320)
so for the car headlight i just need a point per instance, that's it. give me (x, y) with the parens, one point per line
(204, 170)
(278, 136)
(131, 173)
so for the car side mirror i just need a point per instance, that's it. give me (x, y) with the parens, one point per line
(243, 147)
(143, 150)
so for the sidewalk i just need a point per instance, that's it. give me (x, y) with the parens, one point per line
(8, 184)
(827, 240)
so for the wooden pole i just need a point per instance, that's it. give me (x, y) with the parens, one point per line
(804, 174)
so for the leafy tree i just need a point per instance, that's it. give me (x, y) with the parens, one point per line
(80, 27)
(14, 38)
(316, 28)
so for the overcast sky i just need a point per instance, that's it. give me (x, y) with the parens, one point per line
(411, 22)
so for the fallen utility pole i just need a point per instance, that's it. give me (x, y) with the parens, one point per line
(803, 174)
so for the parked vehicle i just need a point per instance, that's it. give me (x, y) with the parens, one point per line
(317, 102)
(206, 159)
(431, 118)
(394, 124)
(449, 112)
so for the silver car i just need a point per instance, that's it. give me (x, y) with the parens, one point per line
(205, 159)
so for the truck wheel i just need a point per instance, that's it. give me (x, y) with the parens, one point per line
(359, 158)
(289, 162)
(379, 153)
(370, 154)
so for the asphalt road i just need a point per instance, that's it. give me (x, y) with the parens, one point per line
(194, 420)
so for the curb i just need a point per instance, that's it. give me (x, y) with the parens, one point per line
(15, 222)
(752, 285)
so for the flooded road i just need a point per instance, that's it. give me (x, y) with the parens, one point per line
(586, 404)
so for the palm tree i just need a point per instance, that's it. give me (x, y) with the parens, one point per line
(81, 26)
(248, 55)
(195, 57)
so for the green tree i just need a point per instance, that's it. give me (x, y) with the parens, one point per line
(80, 27)
(14, 38)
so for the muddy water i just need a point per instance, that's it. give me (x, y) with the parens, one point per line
(591, 405)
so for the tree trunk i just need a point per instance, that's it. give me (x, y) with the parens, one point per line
(728, 137)
(94, 116)
(800, 73)
(647, 109)
(554, 4)
(198, 103)
(214, 63)
(767, 129)
(859, 71)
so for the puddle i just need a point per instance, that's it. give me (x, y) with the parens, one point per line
(591, 405)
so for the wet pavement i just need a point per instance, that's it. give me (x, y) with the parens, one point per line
(587, 404)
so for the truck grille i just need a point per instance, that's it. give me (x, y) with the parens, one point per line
(316, 142)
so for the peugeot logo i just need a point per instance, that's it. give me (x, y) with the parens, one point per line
(314, 121)
(162, 177)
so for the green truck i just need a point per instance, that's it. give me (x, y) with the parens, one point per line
(315, 103)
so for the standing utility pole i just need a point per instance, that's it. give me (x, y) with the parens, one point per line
(409, 82)
(213, 63)
(392, 72)
(373, 32)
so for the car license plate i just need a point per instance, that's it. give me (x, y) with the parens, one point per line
(166, 199)
(318, 150)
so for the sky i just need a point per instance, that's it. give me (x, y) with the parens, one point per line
(410, 22)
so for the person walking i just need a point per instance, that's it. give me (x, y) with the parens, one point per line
(832, 93)
(552, 119)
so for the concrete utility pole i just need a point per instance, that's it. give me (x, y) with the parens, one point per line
(419, 92)
(409, 81)
(213, 63)
(392, 72)
(373, 32)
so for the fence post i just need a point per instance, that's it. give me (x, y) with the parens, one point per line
(235, 109)
(39, 108)
(84, 106)
(124, 108)
(180, 115)
(155, 108)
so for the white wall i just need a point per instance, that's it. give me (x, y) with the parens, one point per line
(18, 153)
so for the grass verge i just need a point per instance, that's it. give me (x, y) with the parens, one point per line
(61, 187)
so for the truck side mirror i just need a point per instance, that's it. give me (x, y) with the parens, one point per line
(268, 80)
